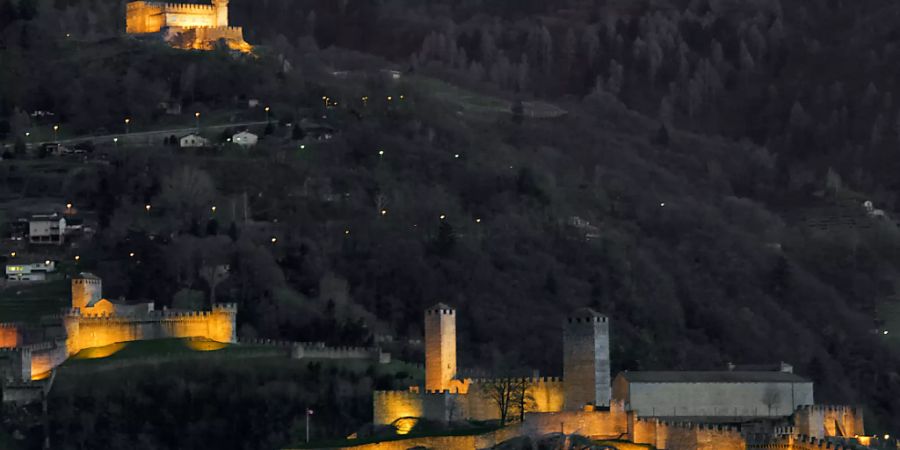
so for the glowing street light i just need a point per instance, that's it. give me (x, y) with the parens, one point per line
(147, 207)
(887, 436)
(456, 156)
(274, 240)
(12, 254)
(302, 146)
(390, 98)
(77, 257)
(131, 255)
(477, 220)
(383, 212)
(347, 232)
(56, 133)
(443, 216)
(197, 116)
(213, 209)
(885, 332)
(47, 262)
(267, 114)
(68, 206)
(380, 152)
(116, 140)
(127, 123)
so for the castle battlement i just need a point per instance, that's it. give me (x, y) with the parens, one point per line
(529, 380)
(828, 408)
(185, 25)
(397, 394)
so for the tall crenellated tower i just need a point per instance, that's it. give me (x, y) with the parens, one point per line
(221, 12)
(87, 289)
(440, 347)
(586, 371)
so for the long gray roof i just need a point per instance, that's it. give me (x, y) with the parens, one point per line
(722, 376)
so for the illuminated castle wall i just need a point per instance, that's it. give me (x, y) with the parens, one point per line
(94, 321)
(579, 403)
(86, 331)
(185, 25)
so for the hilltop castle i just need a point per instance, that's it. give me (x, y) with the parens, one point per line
(733, 409)
(31, 353)
(185, 25)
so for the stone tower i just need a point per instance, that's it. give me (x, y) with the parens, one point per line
(440, 347)
(87, 289)
(221, 12)
(586, 372)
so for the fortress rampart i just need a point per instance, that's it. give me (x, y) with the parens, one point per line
(663, 434)
(99, 331)
(801, 443)
(9, 335)
(819, 421)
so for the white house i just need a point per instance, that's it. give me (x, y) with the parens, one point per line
(193, 140)
(30, 272)
(46, 229)
(245, 139)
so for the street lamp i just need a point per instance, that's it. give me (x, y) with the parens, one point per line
(274, 240)
(267, 114)
(56, 133)
(197, 116)
(147, 207)
(127, 128)
(12, 254)
(213, 209)
(77, 257)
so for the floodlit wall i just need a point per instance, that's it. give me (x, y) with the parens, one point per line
(801, 443)
(9, 335)
(545, 394)
(685, 436)
(389, 406)
(45, 357)
(611, 424)
(99, 331)
(822, 421)
(715, 399)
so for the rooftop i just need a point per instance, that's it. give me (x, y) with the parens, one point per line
(721, 376)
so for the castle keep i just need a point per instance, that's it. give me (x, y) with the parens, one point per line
(733, 409)
(185, 25)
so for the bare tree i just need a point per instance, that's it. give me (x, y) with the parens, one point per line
(771, 397)
(213, 275)
(506, 395)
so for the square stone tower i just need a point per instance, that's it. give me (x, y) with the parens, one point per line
(586, 372)
(440, 347)
(87, 290)
(221, 12)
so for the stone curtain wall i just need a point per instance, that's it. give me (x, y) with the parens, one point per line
(388, 406)
(99, 331)
(801, 443)
(546, 394)
(821, 421)
(9, 335)
(717, 399)
(677, 436)
(45, 357)
(612, 424)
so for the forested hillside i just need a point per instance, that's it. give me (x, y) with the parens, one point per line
(701, 138)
